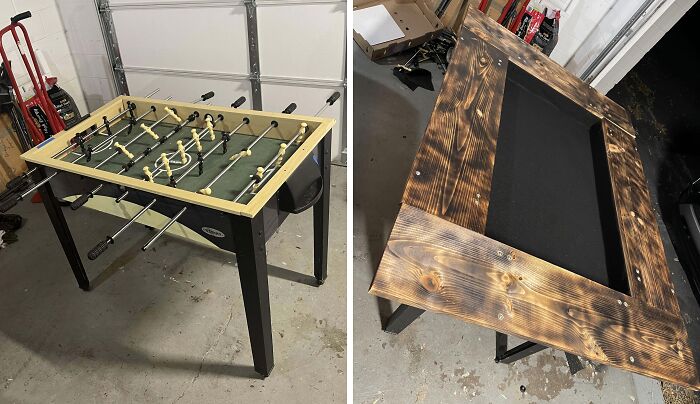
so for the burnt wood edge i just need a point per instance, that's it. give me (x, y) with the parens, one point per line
(648, 273)
(511, 291)
(540, 65)
(452, 171)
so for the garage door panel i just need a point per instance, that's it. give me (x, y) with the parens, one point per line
(188, 88)
(205, 39)
(311, 44)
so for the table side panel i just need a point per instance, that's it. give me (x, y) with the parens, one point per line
(648, 273)
(451, 175)
(540, 65)
(439, 266)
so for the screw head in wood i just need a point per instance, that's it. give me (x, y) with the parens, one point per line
(500, 316)
(417, 172)
(632, 359)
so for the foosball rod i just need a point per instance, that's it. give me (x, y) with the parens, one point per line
(104, 244)
(158, 169)
(260, 181)
(174, 219)
(50, 177)
(72, 146)
(163, 229)
(117, 133)
(186, 147)
(8, 204)
(290, 108)
(82, 199)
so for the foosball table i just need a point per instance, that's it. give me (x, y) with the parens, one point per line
(231, 176)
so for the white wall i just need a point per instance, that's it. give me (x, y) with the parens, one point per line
(46, 32)
(87, 49)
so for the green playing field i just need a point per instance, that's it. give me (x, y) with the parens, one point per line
(227, 187)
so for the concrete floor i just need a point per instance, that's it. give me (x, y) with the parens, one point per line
(438, 358)
(167, 325)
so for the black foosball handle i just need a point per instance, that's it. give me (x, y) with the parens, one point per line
(333, 98)
(99, 248)
(207, 95)
(8, 204)
(82, 200)
(238, 102)
(290, 108)
(16, 182)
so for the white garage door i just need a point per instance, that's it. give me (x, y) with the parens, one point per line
(186, 48)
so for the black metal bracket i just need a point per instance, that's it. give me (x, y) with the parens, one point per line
(402, 317)
(505, 355)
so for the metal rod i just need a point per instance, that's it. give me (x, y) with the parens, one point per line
(133, 219)
(164, 228)
(89, 135)
(267, 167)
(110, 137)
(154, 145)
(234, 161)
(121, 197)
(152, 93)
(37, 185)
(115, 134)
(130, 142)
(187, 147)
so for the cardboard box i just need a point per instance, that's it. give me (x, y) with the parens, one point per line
(11, 165)
(415, 18)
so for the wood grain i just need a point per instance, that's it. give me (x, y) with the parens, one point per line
(451, 175)
(435, 265)
(540, 65)
(647, 272)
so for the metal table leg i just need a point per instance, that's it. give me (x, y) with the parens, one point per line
(249, 237)
(402, 317)
(63, 232)
(321, 210)
(505, 355)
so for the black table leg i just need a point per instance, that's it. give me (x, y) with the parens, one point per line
(53, 208)
(505, 355)
(401, 318)
(249, 237)
(321, 209)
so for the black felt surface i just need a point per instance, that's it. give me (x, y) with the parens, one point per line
(551, 195)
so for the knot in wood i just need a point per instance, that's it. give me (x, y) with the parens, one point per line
(431, 281)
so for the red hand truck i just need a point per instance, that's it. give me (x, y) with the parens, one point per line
(41, 98)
